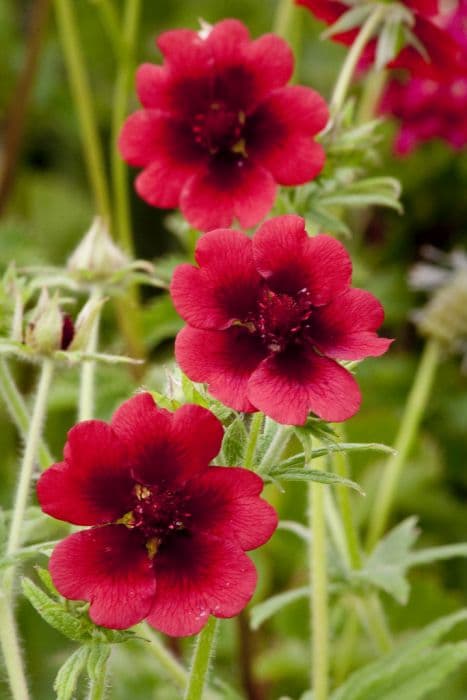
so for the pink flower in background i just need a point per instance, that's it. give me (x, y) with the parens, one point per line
(444, 53)
(168, 532)
(219, 129)
(429, 109)
(269, 317)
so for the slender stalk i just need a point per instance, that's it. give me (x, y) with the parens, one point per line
(319, 589)
(345, 506)
(11, 651)
(120, 101)
(166, 659)
(81, 91)
(410, 423)
(203, 652)
(287, 24)
(372, 92)
(111, 24)
(373, 618)
(18, 411)
(255, 431)
(88, 369)
(350, 64)
(29, 458)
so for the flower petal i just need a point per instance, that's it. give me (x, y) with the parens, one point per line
(152, 86)
(224, 360)
(228, 188)
(165, 448)
(226, 41)
(271, 60)
(289, 260)
(235, 510)
(345, 328)
(185, 52)
(288, 386)
(199, 575)
(93, 485)
(109, 567)
(224, 288)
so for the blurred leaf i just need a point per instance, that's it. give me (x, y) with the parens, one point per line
(160, 321)
(431, 554)
(262, 611)
(351, 19)
(67, 678)
(389, 42)
(322, 477)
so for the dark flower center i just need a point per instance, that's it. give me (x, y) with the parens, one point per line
(219, 129)
(156, 515)
(281, 319)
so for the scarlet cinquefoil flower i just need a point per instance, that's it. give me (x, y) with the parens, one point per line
(169, 532)
(219, 128)
(269, 316)
(443, 53)
(430, 109)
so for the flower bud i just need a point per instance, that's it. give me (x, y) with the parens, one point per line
(49, 329)
(85, 323)
(97, 257)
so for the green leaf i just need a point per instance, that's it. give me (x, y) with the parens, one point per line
(413, 678)
(354, 17)
(192, 394)
(431, 554)
(386, 566)
(67, 678)
(233, 445)
(263, 611)
(322, 477)
(46, 580)
(296, 528)
(390, 42)
(53, 613)
(299, 459)
(164, 401)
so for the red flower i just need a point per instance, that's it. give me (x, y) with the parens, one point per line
(219, 128)
(444, 53)
(269, 316)
(169, 532)
(430, 109)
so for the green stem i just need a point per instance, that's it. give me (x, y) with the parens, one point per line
(287, 24)
(81, 91)
(111, 24)
(18, 411)
(203, 652)
(372, 91)
(374, 619)
(255, 431)
(88, 368)
(350, 64)
(120, 101)
(345, 506)
(319, 589)
(410, 423)
(11, 651)
(166, 659)
(29, 458)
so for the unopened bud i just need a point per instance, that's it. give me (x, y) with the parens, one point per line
(445, 316)
(85, 323)
(97, 257)
(48, 329)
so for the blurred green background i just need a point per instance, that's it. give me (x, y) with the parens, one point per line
(49, 209)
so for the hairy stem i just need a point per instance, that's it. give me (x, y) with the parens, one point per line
(88, 368)
(174, 669)
(29, 458)
(81, 91)
(203, 652)
(255, 431)
(11, 650)
(18, 411)
(410, 423)
(350, 64)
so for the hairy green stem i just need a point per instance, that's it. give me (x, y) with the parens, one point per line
(319, 589)
(202, 655)
(275, 449)
(11, 650)
(120, 102)
(409, 425)
(97, 688)
(29, 457)
(88, 368)
(255, 431)
(18, 411)
(81, 91)
(350, 64)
